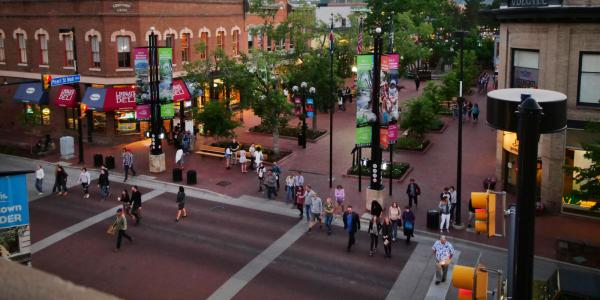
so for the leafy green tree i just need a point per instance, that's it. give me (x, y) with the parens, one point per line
(216, 120)
(451, 81)
(418, 118)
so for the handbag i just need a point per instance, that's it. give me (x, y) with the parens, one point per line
(408, 225)
(111, 230)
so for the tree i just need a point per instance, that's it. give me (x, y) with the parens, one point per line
(216, 120)
(452, 79)
(418, 118)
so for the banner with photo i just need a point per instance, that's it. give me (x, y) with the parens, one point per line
(388, 94)
(142, 75)
(364, 114)
(165, 75)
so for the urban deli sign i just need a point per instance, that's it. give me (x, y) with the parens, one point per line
(533, 3)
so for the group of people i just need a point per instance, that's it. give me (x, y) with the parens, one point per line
(183, 139)
(236, 154)
(470, 111)
(384, 226)
(447, 207)
(482, 82)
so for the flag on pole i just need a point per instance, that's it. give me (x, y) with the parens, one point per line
(359, 43)
(331, 41)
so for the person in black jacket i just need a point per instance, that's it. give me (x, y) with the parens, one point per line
(124, 198)
(103, 184)
(386, 234)
(408, 219)
(413, 191)
(180, 204)
(136, 200)
(351, 225)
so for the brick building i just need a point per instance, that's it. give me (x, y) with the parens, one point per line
(553, 45)
(105, 33)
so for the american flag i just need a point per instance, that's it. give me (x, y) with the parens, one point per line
(331, 41)
(360, 39)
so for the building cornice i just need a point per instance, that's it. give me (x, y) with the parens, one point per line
(556, 14)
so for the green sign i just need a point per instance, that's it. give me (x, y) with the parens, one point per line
(363, 136)
(167, 111)
(165, 80)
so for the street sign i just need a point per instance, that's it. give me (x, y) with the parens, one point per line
(65, 80)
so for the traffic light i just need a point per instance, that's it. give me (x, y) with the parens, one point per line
(471, 282)
(46, 78)
(485, 212)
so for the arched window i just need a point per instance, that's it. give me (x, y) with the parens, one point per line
(2, 50)
(21, 36)
(235, 41)
(42, 36)
(204, 41)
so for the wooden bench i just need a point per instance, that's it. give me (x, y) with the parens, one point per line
(211, 151)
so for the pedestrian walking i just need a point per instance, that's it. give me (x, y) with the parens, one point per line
(374, 232)
(252, 151)
(136, 204)
(408, 219)
(243, 161)
(376, 208)
(417, 80)
(453, 199)
(103, 184)
(277, 172)
(386, 234)
(340, 196)
(299, 180)
(60, 181)
(300, 201)
(124, 198)
(260, 171)
(127, 157)
(39, 179)
(270, 184)
(351, 225)
(443, 251)
(179, 158)
(469, 110)
(289, 189)
(120, 227)
(181, 212)
(475, 112)
(316, 209)
(309, 195)
(328, 209)
(444, 207)
(394, 215)
(227, 158)
(258, 157)
(63, 181)
(85, 180)
(413, 191)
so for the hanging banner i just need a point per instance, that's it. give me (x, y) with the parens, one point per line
(14, 202)
(388, 94)
(297, 106)
(310, 108)
(364, 114)
(165, 75)
(384, 141)
(167, 111)
(143, 112)
(392, 132)
(142, 78)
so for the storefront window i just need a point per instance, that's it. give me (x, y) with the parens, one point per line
(125, 122)
(34, 114)
(589, 79)
(573, 200)
(71, 118)
(525, 69)
(99, 125)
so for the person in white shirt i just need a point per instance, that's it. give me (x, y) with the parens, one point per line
(84, 179)
(39, 179)
(258, 159)
(452, 204)
(243, 160)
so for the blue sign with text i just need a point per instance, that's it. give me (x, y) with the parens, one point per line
(65, 80)
(14, 202)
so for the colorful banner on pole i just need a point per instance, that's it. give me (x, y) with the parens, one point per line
(167, 111)
(165, 80)
(142, 72)
(310, 112)
(14, 202)
(388, 94)
(364, 113)
(143, 112)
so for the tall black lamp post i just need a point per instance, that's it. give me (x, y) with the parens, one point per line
(516, 110)
(156, 134)
(303, 91)
(77, 93)
(376, 157)
(461, 101)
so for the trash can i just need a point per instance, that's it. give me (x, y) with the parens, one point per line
(191, 177)
(109, 162)
(433, 219)
(177, 175)
(301, 139)
(67, 147)
(98, 160)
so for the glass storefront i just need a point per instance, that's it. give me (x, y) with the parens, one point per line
(511, 163)
(99, 119)
(70, 118)
(35, 114)
(125, 122)
(573, 201)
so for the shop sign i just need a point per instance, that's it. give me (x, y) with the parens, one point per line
(392, 133)
(30, 90)
(14, 204)
(124, 96)
(121, 7)
(142, 112)
(532, 3)
(95, 97)
(66, 97)
(180, 92)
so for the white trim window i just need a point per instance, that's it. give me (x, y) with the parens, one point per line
(123, 51)
(2, 51)
(22, 43)
(235, 41)
(220, 39)
(589, 79)
(69, 51)
(185, 47)
(43, 49)
(204, 41)
(525, 68)
(95, 50)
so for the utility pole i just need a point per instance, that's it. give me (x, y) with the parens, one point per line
(332, 84)
(461, 101)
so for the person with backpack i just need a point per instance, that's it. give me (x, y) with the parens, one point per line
(408, 219)
(475, 111)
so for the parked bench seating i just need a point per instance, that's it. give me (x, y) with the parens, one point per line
(211, 151)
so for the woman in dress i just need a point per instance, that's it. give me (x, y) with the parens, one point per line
(243, 160)
(340, 196)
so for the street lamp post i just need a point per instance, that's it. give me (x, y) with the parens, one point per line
(461, 101)
(332, 91)
(157, 156)
(302, 91)
(375, 186)
(77, 93)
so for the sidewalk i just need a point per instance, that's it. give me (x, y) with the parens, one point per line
(432, 170)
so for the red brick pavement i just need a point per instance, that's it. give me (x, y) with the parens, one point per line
(432, 170)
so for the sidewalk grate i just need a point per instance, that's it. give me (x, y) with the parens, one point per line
(223, 183)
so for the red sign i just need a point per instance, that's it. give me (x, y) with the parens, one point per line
(383, 138)
(392, 132)
(66, 97)
(120, 99)
(180, 91)
(142, 112)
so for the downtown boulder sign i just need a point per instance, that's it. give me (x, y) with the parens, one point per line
(15, 243)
